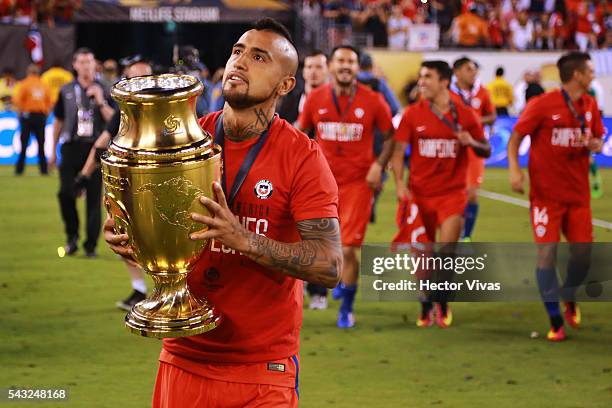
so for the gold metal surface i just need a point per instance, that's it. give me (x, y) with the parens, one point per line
(154, 171)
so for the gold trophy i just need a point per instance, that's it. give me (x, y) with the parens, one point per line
(155, 169)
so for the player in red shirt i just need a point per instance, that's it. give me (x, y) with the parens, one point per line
(565, 127)
(344, 115)
(268, 234)
(466, 86)
(440, 130)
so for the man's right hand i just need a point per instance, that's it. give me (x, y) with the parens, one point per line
(517, 178)
(52, 160)
(402, 192)
(118, 242)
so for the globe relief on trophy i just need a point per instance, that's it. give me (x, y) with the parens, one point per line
(154, 171)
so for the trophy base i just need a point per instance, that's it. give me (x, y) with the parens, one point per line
(171, 311)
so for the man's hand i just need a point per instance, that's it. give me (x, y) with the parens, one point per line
(465, 138)
(517, 178)
(374, 176)
(223, 226)
(594, 144)
(52, 160)
(95, 91)
(118, 242)
(80, 183)
(402, 192)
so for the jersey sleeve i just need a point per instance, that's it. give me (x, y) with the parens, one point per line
(306, 120)
(472, 124)
(487, 103)
(314, 193)
(383, 118)
(530, 118)
(598, 126)
(403, 133)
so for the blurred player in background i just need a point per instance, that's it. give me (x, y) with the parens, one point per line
(565, 127)
(315, 73)
(466, 84)
(343, 116)
(440, 130)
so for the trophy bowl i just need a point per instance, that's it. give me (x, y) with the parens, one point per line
(154, 172)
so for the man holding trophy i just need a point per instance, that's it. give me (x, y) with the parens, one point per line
(274, 222)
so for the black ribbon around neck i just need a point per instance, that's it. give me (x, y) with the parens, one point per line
(455, 126)
(247, 163)
(341, 114)
(572, 108)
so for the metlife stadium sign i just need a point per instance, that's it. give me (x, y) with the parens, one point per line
(10, 144)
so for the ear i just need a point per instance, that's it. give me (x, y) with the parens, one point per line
(286, 86)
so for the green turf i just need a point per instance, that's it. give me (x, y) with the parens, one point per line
(59, 327)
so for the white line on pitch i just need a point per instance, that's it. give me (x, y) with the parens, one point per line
(525, 204)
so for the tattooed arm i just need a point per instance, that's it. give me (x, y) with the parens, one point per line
(317, 258)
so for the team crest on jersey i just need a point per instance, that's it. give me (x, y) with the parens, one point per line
(263, 189)
(476, 102)
(588, 116)
(359, 113)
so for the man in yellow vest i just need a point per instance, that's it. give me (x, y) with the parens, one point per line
(501, 93)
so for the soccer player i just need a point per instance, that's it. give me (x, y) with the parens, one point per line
(565, 127)
(315, 74)
(344, 115)
(267, 234)
(440, 130)
(468, 87)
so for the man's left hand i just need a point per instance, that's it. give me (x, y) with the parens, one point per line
(97, 93)
(465, 138)
(374, 176)
(594, 144)
(223, 226)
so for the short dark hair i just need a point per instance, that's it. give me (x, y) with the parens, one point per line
(441, 67)
(499, 71)
(81, 51)
(570, 63)
(461, 62)
(270, 24)
(315, 53)
(345, 47)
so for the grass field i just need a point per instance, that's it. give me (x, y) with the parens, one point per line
(59, 327)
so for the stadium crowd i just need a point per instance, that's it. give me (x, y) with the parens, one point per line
(511, 24)
(26, 12)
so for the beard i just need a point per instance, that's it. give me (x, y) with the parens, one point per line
(345, 83)
(241, 100)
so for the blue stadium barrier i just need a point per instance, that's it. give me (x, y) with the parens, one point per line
(9, 142)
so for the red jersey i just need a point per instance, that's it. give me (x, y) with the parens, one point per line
(479, 99)
(346, 137)
(438, 162)
(261, 308)
(558, 158)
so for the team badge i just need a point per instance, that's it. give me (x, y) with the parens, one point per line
(263, 189)
(588, 116)
(476, 102)
(359, 113)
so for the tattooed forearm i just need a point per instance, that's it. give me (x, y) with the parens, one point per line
(317, 258)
